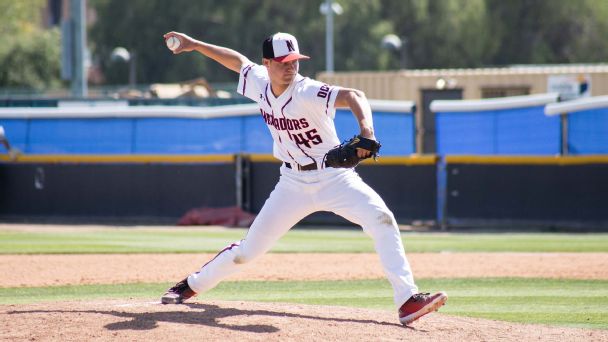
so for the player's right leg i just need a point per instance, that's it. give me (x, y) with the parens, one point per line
(285, 207)
(356, 201)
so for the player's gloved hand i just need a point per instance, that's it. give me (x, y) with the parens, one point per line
(348, 154)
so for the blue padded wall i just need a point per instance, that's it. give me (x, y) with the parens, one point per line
(91, 136)
(152, 135)
(588, 132)
(16, 132)
(518, 131)
(187, 136)
(256, 136)
(465, 133)
(395, 131)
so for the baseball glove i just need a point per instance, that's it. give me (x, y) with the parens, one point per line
(345, 154)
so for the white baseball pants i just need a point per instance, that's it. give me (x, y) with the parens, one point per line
(300, 193)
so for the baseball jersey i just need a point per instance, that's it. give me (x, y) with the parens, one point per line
(300, 120)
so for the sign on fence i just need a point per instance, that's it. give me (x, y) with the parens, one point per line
(569, 87)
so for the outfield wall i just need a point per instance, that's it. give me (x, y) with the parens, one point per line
(179, 130)
(163, 188)
(584, 125)
(455, 191)
(526, 191)
(524, 160)
(407, 185)
(112, 192)
(506, 126)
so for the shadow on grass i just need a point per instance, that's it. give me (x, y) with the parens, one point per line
(205, 314)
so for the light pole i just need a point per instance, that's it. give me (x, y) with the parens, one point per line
(74, 40)
(329, 8)
(121, 54)
(398, 45)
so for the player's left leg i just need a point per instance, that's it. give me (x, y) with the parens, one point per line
(287, 204)
(348, 196)
(351, 198)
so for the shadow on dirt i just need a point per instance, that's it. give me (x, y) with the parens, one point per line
(201, 314)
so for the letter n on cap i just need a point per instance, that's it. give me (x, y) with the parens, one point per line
(290, 45)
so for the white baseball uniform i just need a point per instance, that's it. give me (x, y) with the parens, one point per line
(301, 123)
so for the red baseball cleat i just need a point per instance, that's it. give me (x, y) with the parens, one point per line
(178, 293)
(419, 305)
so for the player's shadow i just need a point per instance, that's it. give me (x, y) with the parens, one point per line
(205, 314)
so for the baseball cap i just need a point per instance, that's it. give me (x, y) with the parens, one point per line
(282, 47)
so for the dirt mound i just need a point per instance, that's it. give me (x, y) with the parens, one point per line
(236, 321)
(53, 270)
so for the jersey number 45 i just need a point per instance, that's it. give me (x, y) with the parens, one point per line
(311, 136)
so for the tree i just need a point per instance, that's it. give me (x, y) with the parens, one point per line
(232, 23)
(556, 31)
(29, 55)
(440, 33)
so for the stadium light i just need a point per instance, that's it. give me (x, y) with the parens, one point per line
(398, 45)
(122, 55)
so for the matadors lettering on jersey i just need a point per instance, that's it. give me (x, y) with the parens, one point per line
(284, 124)
(290, 125)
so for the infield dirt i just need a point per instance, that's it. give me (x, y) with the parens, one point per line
(132, 320)
(51, 270)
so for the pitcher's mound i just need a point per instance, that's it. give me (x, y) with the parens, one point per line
(244, 321)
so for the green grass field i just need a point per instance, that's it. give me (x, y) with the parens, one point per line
(177, 240)
(580, 303)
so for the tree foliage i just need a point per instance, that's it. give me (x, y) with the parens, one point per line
(556, 31)
(442, 34)
(439, 34)
(29, 55)
(138, 25)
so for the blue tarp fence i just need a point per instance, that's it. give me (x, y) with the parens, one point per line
(175, 130)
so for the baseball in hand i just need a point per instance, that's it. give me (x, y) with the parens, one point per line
(173, 43)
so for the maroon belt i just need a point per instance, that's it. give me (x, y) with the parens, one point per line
(308, 167)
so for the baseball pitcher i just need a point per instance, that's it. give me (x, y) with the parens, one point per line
(317, 173)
